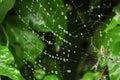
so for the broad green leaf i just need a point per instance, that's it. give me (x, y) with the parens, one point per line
(51, 77)
(5, 6)
(26, 43)
(45, 16)
(115, 20)
(6, 62)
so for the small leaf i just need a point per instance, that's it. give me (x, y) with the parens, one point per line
(51, 77)
(90, 76)
(39, 74)
(5, 6)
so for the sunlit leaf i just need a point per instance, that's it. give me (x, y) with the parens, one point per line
(115, 20)
(114, 68)
(10, 72)
(51, 77)
(6, 62)
(6, 56)
(90, 76)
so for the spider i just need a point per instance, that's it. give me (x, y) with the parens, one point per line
(102, 54)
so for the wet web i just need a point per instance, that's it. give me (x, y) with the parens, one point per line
(74, 52)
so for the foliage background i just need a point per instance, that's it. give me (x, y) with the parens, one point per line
(51, 39)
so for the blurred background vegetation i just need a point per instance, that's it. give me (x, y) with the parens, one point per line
(59, 39)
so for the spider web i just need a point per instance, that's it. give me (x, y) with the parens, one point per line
(74, 56)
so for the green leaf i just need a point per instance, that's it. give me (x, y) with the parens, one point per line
(115, 20)
(51, 77)
(5, 6)
(33, 47)
(45, 16)
(114, 69)
(6, 56)
(6, 62)
(116, 8)
(90, 76)
(26, 44)
(10, 72)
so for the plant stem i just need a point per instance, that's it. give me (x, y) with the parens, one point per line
(102, 73)
(7, 38)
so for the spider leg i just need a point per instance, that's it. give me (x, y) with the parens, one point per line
(95, 67)
(114, 60)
